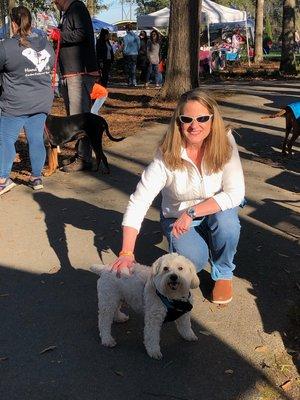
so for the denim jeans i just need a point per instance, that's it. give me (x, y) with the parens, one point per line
(97, 105)
(153, 69)
(75, 91)
(10, 127)
(215, 239)
(130, 69)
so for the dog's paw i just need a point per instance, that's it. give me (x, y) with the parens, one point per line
(108, 342)
(155, 353)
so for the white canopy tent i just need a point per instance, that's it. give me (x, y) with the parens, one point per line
(210, 13)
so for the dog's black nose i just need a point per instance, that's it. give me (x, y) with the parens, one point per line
(173, 277)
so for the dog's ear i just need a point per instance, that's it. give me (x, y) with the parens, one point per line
(156, 267)
(195, 279)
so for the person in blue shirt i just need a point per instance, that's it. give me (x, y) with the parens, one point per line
(131, 47)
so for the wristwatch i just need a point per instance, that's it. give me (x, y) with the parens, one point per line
(191, 212)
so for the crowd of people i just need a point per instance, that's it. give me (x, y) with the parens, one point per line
(197, 166)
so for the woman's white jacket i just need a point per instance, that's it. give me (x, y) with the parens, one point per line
(185, 187)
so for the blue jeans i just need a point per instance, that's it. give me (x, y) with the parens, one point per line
(130, 69)
(153, 69)
(215, 239)
(10, 127)
(98, 103)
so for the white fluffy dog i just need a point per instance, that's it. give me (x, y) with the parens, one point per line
(152, 290)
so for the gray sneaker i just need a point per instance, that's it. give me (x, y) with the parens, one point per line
(6, 186)
(36, 183)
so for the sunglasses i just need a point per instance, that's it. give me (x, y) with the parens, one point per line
(201, 119)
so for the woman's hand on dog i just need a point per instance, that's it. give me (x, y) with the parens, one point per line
(181, 225)
(123, 264)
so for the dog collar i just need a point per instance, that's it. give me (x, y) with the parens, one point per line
(175, 308)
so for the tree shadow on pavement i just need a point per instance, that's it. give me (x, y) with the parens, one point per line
(104, 223)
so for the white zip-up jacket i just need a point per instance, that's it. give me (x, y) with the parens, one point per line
(183, 188)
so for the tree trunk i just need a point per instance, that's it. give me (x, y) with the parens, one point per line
(259, 27)
(182, 72)
(288, 60)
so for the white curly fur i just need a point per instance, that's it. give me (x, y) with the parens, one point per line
(172, 275)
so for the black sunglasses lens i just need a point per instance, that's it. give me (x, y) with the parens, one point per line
(204, 118)
(186, 120)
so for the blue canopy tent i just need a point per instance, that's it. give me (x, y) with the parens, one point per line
(98, 25)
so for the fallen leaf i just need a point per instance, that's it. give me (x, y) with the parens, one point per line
(50, 348)
(286, 385)
(260, 349)
(228, 371)
(206, 333)
(119, 373)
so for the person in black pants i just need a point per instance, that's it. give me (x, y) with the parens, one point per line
(105, 55)
(142, 60)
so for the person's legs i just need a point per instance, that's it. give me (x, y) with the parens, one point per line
(191, 244)
(156, 74)
(223, 235)
(9, 131)
(132, 70)
(34, 128)
(105, 72)
(79, 100)
(149, 72)
(97, 105)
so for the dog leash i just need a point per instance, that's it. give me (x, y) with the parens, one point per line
(55, 63)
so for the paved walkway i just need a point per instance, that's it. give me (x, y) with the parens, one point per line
(48, 298)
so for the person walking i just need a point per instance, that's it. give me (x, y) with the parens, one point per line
(153, 54)
(105, 55)
(131, 46)
(26, 62)
(198, 171)
(142, 60)
(78, 67)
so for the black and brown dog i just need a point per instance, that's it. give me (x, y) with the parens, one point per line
(61, 130)
(292, 125)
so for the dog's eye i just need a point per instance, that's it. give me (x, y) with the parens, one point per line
(166, 268)
(180, 268)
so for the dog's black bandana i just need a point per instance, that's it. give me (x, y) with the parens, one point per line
(175, 308)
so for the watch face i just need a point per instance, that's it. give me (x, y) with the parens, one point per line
(191, 212)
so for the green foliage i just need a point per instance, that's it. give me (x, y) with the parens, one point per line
(244, 5)
(149, 6)
(97, 5)
(43, 5)
(268, 27)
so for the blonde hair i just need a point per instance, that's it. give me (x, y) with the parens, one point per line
(22, 18)
(217, 147)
